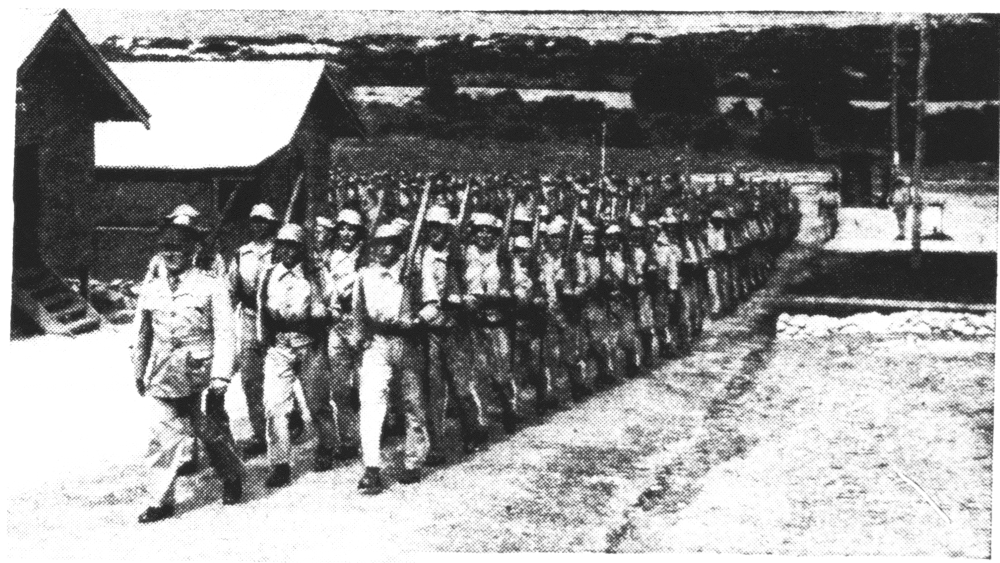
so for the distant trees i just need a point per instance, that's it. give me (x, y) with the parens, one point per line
(677, 83)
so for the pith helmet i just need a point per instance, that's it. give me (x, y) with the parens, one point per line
(439, 215)
(349, 217)
(183, 210)
(522, 243)
(486, 220)
(292, 233)
(392, 230)
(263, 211)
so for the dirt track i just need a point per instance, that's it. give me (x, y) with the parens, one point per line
(618, 473)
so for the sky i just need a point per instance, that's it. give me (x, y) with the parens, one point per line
(99, 24)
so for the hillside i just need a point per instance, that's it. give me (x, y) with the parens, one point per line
(964, 65)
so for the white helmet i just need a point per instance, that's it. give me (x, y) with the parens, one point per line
(349, 217)
(263, 211)
(292, 233)
(439, 214)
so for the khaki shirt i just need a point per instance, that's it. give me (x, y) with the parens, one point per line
(287, 295)
(191, 333)
(252, 260)
(668, 256)
(339, 269)
(482, 272)
(382, 293)
(717, 239)
(433, 273)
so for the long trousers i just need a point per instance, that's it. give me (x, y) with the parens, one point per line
(285, 361)
(529, 363)
(388, 362)
(718, 283)
(175, 423)
(250, 364)
(563, 348)
(493, 347)
(602, 342)
(452, 363)
(344, 360)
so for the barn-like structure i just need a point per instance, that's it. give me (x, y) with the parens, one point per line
(64, 87)
(222, 137)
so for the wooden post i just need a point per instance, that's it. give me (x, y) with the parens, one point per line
(918, 154)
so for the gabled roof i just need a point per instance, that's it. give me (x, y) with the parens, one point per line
(214, 114)
(39, 30)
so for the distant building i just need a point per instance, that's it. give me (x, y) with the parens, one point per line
(223, 136)
(64, 87)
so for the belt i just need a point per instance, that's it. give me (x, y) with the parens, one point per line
(384, 329)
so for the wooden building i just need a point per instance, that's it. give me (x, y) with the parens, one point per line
(64, 87)
(222, 137)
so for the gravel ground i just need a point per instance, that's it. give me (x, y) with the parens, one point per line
(853, 446)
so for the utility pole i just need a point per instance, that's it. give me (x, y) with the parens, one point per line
(916, 187)
(894, 104)
(604, 135)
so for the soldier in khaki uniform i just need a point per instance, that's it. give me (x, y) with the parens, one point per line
(392, 357)
(292, 321)
(451, 360)
(619, 285)
(339, 265)
(250, 262)
(670, 316)
(642, 288)
(183, 347)
(488, 304)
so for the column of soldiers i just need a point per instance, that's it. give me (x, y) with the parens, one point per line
(492, 299)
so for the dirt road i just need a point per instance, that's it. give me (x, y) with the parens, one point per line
(594, 478)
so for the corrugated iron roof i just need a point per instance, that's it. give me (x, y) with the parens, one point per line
(210, 114)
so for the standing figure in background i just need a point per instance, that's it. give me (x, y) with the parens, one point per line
(828, 209)
(900, 201)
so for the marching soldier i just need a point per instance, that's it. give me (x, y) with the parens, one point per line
(489, 304)
(591, 288)
(530, 311)
(642, 284)
(339, 264)
(292, 320)
(670, 310)
(719, 269)
(451, 358)
(565, 341)
(251, 260)
(620, 285)
(183, 347)
(392, 357)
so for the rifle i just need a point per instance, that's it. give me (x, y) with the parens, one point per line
(454, 279)
(504, 260)
(418, 224)
(567, 259)
(534, 266)
(405, 273)
(364, 253)
(296, 191)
